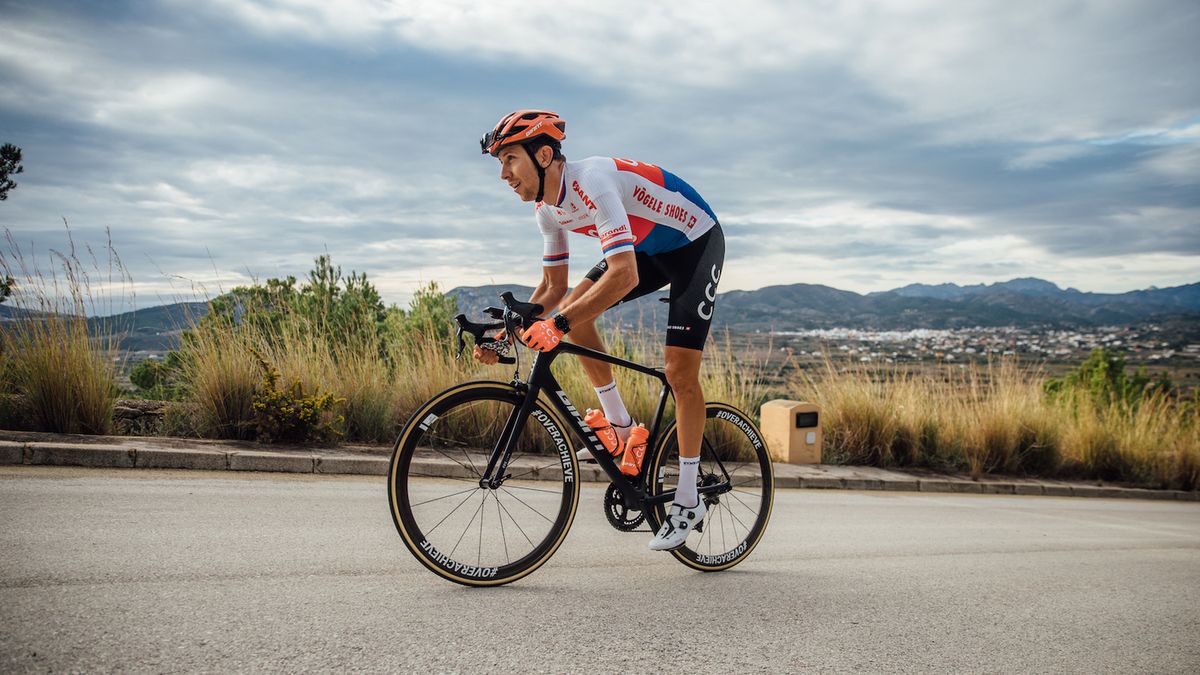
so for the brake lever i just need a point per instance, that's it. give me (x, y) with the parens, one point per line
(477, 330)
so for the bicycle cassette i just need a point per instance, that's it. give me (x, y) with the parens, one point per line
(620, 516)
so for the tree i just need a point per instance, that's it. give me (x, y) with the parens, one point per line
(1104, 378)
(10, 165)
(6, 287)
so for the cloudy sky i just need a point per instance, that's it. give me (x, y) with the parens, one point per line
(861, 145)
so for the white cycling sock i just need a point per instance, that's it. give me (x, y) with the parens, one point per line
(685, 491)
(614, 409)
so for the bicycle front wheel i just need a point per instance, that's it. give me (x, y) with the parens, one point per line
(475, 535)
(735, 467)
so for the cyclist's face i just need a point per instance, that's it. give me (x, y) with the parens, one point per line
(516, 169)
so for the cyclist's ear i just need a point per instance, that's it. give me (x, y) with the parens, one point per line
(545, 156)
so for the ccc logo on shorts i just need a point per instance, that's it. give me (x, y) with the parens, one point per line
(705, 308)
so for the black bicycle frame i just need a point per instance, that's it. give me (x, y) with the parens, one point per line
(634, 488)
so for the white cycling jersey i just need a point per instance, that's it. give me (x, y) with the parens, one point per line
(627, 205)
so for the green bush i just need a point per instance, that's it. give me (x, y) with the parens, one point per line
(1104, 378)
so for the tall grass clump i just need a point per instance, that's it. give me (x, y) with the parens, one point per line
(1001, 417)
(57, 369)
(980, 418)
(218, 376)
(271, 362)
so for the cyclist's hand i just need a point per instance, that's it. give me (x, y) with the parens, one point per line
(487, 357)
(543, 336)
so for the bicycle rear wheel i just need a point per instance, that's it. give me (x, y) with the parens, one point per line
(732, 454)
(474, 535)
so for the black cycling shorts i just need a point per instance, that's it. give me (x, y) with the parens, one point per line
(693, 272)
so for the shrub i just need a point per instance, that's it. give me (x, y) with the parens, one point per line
(291, 415)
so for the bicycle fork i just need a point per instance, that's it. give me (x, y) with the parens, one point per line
(497, 468)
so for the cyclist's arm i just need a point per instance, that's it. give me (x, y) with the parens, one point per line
(555, 259)
(552, 288)
(617, 242)
(620, 278)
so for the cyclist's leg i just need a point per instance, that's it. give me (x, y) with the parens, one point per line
(696, 269)
(650, 279)
(585, 334)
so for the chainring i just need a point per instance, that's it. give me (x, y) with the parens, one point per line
(620, 516)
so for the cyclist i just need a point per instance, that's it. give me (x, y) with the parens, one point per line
(654, 230)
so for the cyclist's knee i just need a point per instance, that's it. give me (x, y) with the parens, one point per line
(683, 371)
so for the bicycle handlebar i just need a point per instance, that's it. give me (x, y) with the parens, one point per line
(515, 313)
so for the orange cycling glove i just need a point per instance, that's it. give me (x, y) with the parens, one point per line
(543, 335)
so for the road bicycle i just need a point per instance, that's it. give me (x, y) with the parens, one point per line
(484, 479)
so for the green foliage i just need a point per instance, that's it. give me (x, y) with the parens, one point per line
(6, 287)
(430, 317)
(10, 165)
(158, 379)
(329, 305)
(290, 415)
(1102, 376)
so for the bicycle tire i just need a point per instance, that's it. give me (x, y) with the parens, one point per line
(462, 424)
(727, 538)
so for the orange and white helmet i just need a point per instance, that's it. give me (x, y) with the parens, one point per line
(521, 127)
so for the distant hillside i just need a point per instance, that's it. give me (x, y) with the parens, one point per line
(1020, 302)
(1026, 303)
(152, 328)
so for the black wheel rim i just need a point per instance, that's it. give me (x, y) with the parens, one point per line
(732, 449)
(478, 535)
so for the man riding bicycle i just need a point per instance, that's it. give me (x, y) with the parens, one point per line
(654, 230)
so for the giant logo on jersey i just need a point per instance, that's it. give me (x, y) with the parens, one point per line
(582, 195)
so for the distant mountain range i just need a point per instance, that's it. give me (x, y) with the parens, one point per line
(153, 329)
(1026, 303)
(1021, 302)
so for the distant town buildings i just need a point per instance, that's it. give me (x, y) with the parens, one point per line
(1141, 344)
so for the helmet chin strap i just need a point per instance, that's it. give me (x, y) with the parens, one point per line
(541, 173)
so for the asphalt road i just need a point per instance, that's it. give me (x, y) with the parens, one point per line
(130, 570)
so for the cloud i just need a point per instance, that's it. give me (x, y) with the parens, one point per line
(1044, 156)
(854, 143)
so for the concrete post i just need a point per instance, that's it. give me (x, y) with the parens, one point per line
(792, 431)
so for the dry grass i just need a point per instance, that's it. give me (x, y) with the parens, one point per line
(996, 418)
(220, 377)
(55, 376)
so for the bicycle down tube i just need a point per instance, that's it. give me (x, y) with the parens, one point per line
(542, 379)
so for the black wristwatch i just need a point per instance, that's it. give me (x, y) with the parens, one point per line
(561, 323)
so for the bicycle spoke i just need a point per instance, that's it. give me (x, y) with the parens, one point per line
(464, 532)
(739, 520)
(439, 523)
(739, 501)
(529, 489)
(514, 521)
(526, 504)
(473, 481)
(472, 468)
(479, 550)
(503, 536)
(453, 494)
(533, 470)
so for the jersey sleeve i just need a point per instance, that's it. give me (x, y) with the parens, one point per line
(555, 250)
(612, 220)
